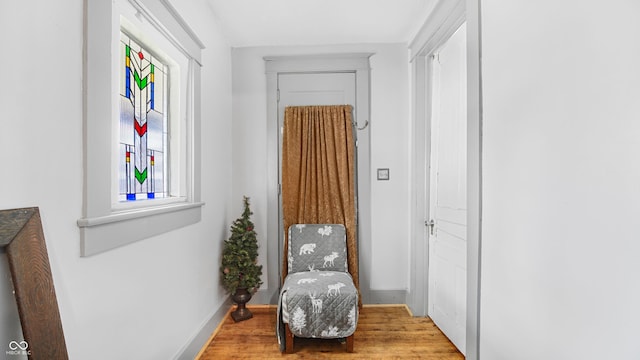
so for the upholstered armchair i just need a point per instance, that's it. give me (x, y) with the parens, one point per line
(318, 298)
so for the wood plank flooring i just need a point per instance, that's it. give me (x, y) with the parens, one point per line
(384, 332)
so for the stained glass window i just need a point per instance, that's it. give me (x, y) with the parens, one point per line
(143, 123)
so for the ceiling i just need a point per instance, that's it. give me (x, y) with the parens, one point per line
(320, 22)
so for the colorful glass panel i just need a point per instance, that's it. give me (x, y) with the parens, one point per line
(143, 123)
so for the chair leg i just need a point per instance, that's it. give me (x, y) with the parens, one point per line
(288, 340)
(350, 343)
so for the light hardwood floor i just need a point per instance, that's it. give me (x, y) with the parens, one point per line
(384, 332)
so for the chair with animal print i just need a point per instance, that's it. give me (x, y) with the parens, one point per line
(318, 298)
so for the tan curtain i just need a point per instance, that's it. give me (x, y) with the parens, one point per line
(318, 173)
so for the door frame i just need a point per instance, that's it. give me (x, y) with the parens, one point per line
(357, 63)
(445, 19)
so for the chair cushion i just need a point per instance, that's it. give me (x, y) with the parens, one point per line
(314, 247)
(319, 304)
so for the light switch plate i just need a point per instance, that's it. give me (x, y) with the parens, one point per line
(383, 174)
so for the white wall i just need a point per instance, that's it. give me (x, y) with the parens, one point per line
(142, 301)
(561, 180)
(390, 114)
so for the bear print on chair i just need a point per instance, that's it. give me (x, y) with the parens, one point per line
(307, 249)
(317, 247)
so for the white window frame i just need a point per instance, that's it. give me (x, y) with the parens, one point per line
(106, 222)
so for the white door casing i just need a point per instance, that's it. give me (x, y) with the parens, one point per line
(448, 200)
(324, 69)
(444, 21)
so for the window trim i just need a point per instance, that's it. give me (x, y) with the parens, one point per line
(103, 225)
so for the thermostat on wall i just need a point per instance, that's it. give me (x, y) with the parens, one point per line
(383, 174)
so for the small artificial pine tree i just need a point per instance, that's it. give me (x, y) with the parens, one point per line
(240, 267)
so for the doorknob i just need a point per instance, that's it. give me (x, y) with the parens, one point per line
(430, 224)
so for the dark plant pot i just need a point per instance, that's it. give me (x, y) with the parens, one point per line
(241, 297)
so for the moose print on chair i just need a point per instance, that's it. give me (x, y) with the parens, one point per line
(318, 297)
(329, 259)
(334, 289)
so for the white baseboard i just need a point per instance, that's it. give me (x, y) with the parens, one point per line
(386, 297)
(193, 347)
(264, 296)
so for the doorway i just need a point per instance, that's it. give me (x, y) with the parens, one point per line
(445, 20)
(318, 80)
(311, 153)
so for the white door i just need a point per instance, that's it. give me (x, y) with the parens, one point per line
(315, 89)
(302, 89)
(448, 200)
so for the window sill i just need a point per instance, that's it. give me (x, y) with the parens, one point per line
(102, 233)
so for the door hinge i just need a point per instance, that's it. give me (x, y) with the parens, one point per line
(279, 189)
(278, 94)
